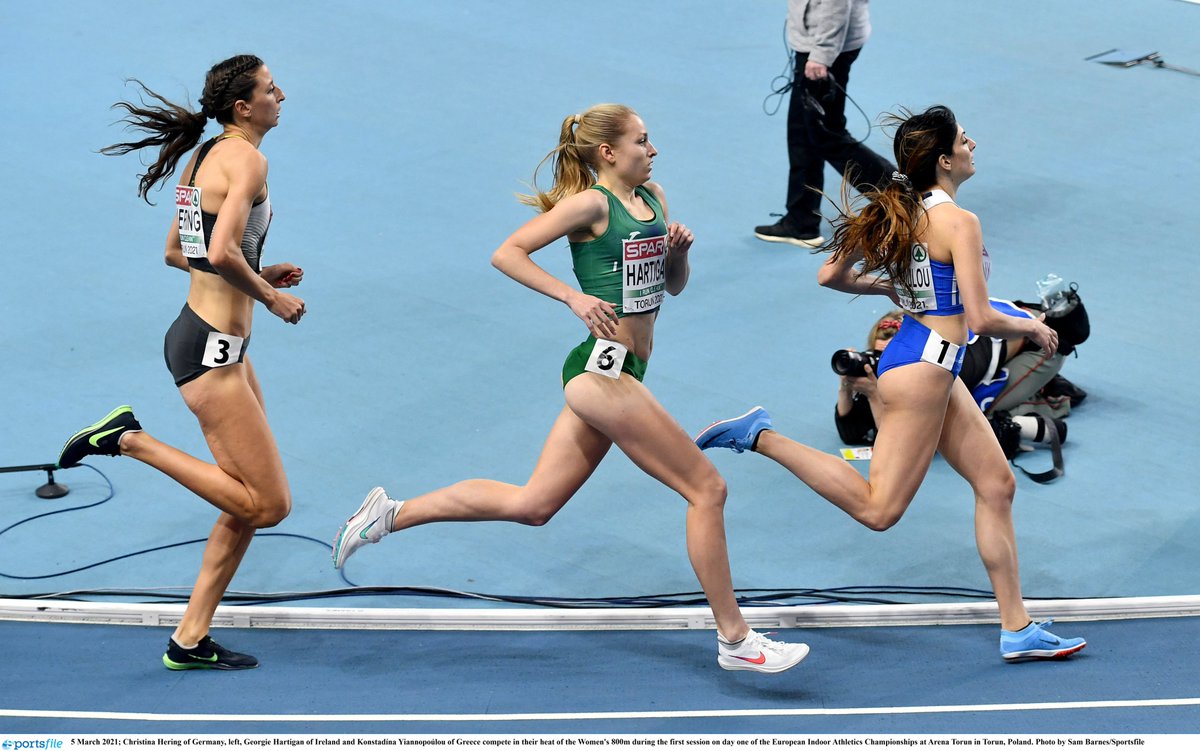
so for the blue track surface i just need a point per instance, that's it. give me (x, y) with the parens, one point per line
(945, 679)
(406, 130)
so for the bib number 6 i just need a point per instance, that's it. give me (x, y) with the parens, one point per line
(606, 359)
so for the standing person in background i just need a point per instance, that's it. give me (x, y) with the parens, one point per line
(222, 212)
(826, 37)
(627, 256)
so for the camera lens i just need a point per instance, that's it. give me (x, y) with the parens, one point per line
(848, 363)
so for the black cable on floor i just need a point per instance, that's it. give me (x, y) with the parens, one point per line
(881, 594)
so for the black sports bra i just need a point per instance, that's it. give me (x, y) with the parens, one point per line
(256, 225)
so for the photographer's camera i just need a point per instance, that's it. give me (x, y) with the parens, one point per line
(847, 362)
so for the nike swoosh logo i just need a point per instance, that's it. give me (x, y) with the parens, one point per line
(754, 660)
(210, 658)
(95, 440)
(1054, 643)
(363, 533)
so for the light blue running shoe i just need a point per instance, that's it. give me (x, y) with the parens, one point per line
(1034, 642)
(738, 433)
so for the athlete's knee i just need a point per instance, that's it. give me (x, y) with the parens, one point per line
(709, 492)
(881, 520)
(270, 511)
(270, 518)
(997, 488)
(882, 514)
(534, 510)
(536, 516)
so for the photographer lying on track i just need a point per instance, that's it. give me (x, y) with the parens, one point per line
(1011, 380)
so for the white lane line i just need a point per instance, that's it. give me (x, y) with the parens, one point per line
(559, 716)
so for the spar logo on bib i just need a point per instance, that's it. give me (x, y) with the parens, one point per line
(645, 273)
(190, 221)
(920, 295)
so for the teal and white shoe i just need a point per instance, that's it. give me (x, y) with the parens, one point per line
(738, 433)
(370, 523)
(100, 439)
(1034, 642)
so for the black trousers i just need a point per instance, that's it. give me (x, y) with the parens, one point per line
(816, 134)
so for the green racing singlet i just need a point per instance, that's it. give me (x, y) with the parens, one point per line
(627, 265)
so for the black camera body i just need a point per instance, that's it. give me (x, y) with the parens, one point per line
(849, 363)
(1070, 322)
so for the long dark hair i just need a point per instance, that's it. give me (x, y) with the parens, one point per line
(887, 227)
(176, 129)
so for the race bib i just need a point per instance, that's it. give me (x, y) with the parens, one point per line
(919, 297)
(940, 352)
(645, 270)
(222, 349)
(191, 223)
(606, 358)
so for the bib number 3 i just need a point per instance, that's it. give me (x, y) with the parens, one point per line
(606, 358)
(221, 350)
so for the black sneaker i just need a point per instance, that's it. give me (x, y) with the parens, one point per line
(103, 438)
(1059, 386)
(780, 233)
(207, 655)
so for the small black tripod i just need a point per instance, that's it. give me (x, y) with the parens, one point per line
(51, 489)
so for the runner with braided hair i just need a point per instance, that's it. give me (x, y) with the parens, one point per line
(222, 212)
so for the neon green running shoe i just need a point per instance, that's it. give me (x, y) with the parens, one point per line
(207, 655)
(102, 438)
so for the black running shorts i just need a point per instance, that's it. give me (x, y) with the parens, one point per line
(192, 347)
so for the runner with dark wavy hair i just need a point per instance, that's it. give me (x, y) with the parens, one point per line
(915, 245)
(222, 212)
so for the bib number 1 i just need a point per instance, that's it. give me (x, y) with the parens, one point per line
(940, 352)
(606, 358)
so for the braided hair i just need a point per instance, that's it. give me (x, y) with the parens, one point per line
(176, 129)
(226, 83)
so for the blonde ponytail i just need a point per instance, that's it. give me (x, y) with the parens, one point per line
(574, 160)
